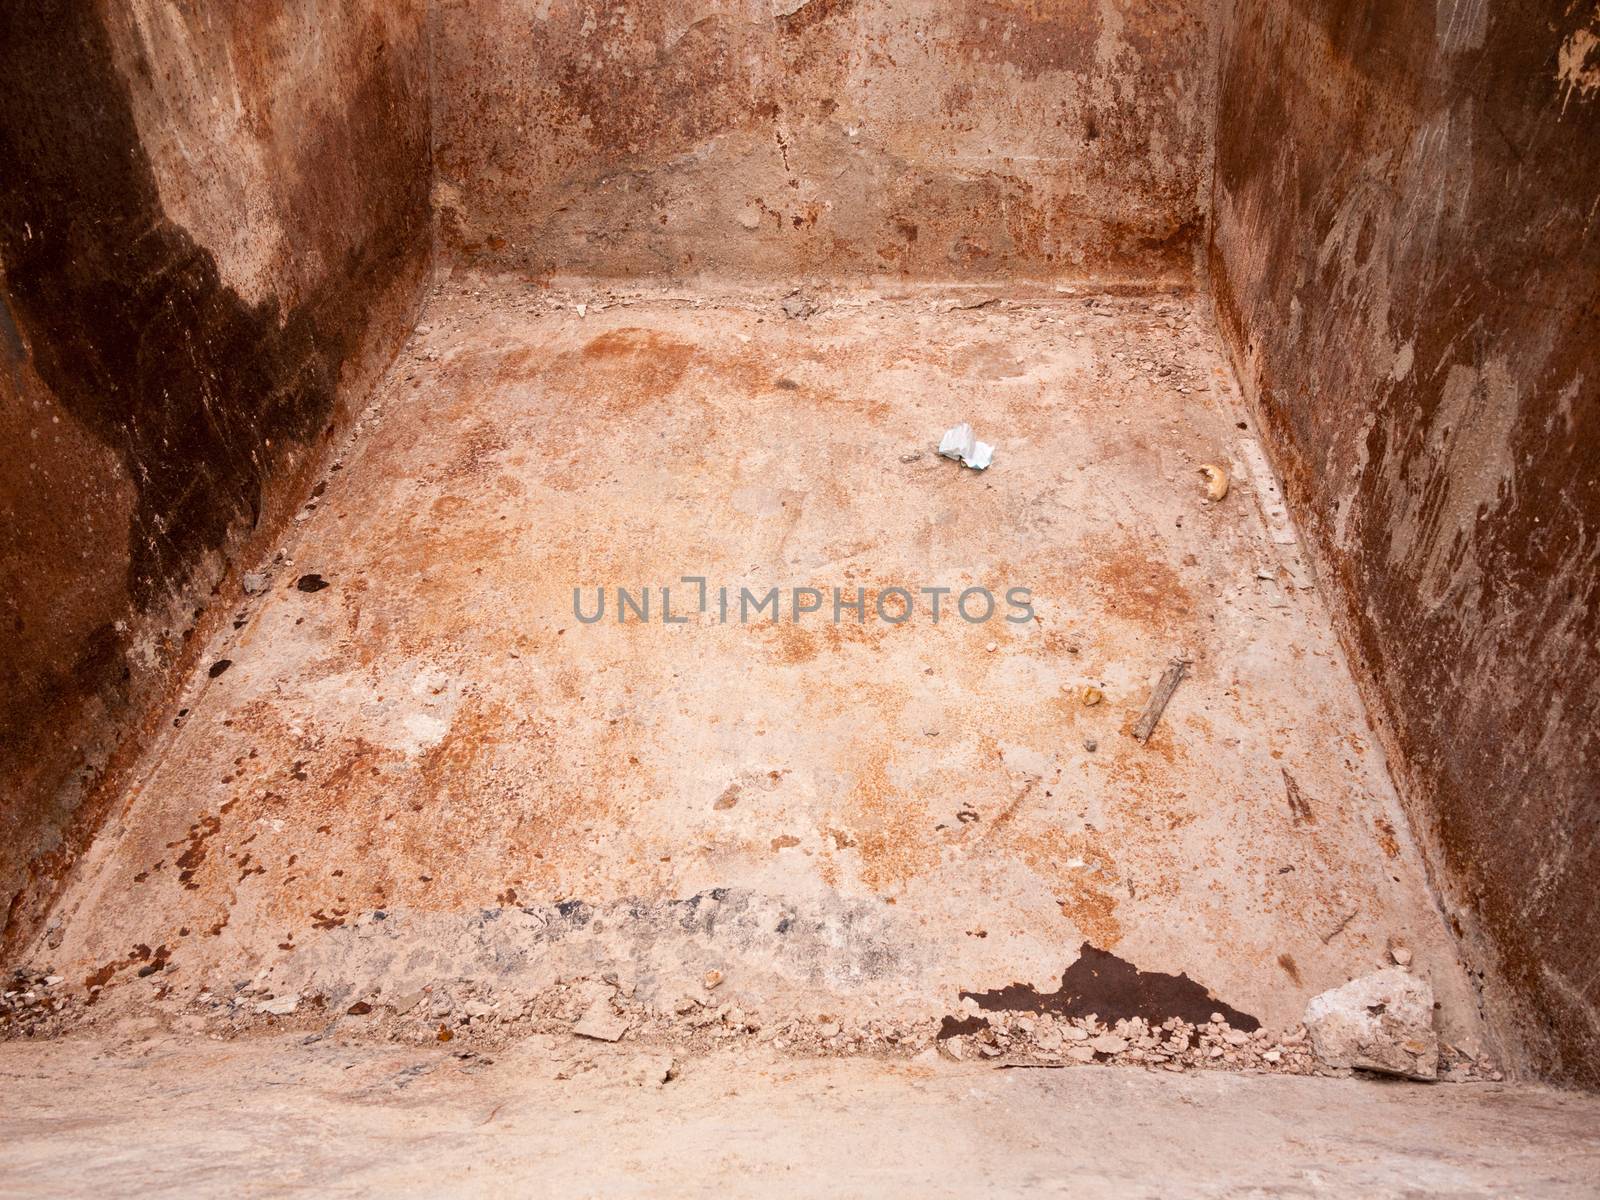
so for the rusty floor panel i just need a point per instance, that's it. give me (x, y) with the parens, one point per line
(889, 813)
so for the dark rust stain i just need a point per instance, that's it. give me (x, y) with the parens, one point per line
(958, 1027)
(1113, 989)
(1299, 807)
(155, 960)
(194, 854)
(1387, 838)
(327, 920)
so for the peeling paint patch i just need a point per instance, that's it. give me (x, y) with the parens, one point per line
(1576, 74)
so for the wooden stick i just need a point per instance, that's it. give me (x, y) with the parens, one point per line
(1170, 678)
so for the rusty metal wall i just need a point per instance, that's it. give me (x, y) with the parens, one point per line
(948, 139)
(213, 232)
(1406, 260)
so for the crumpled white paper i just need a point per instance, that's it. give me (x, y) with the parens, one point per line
(961, 443)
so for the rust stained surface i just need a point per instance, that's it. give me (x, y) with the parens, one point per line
(1101, 984)
(434, 733)
(212, 234)
(976, 139)
(1406, 265)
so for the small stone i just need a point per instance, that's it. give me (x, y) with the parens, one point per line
(1090, 745)
(713, 979)
(1081, 1054)
(1108, 1043)
(650, 1070)
(255, 582)
(1218, 1019)
(828, 1029)
(685, 1005)
(1380, 1022)
(1272, 1056)
(601, 1022)
(1401, 955)
(748, 217)
(797, 305)
(1074, 1034)
(992, 647)
(279, 1006)
(1236, 1037)
(954, 1048)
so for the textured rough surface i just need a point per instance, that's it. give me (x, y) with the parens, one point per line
(903, 810)
(1406, 264)
(132, 1115)
(949, 139)
(213, 231)
(215, 225)
(1380, 1022)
